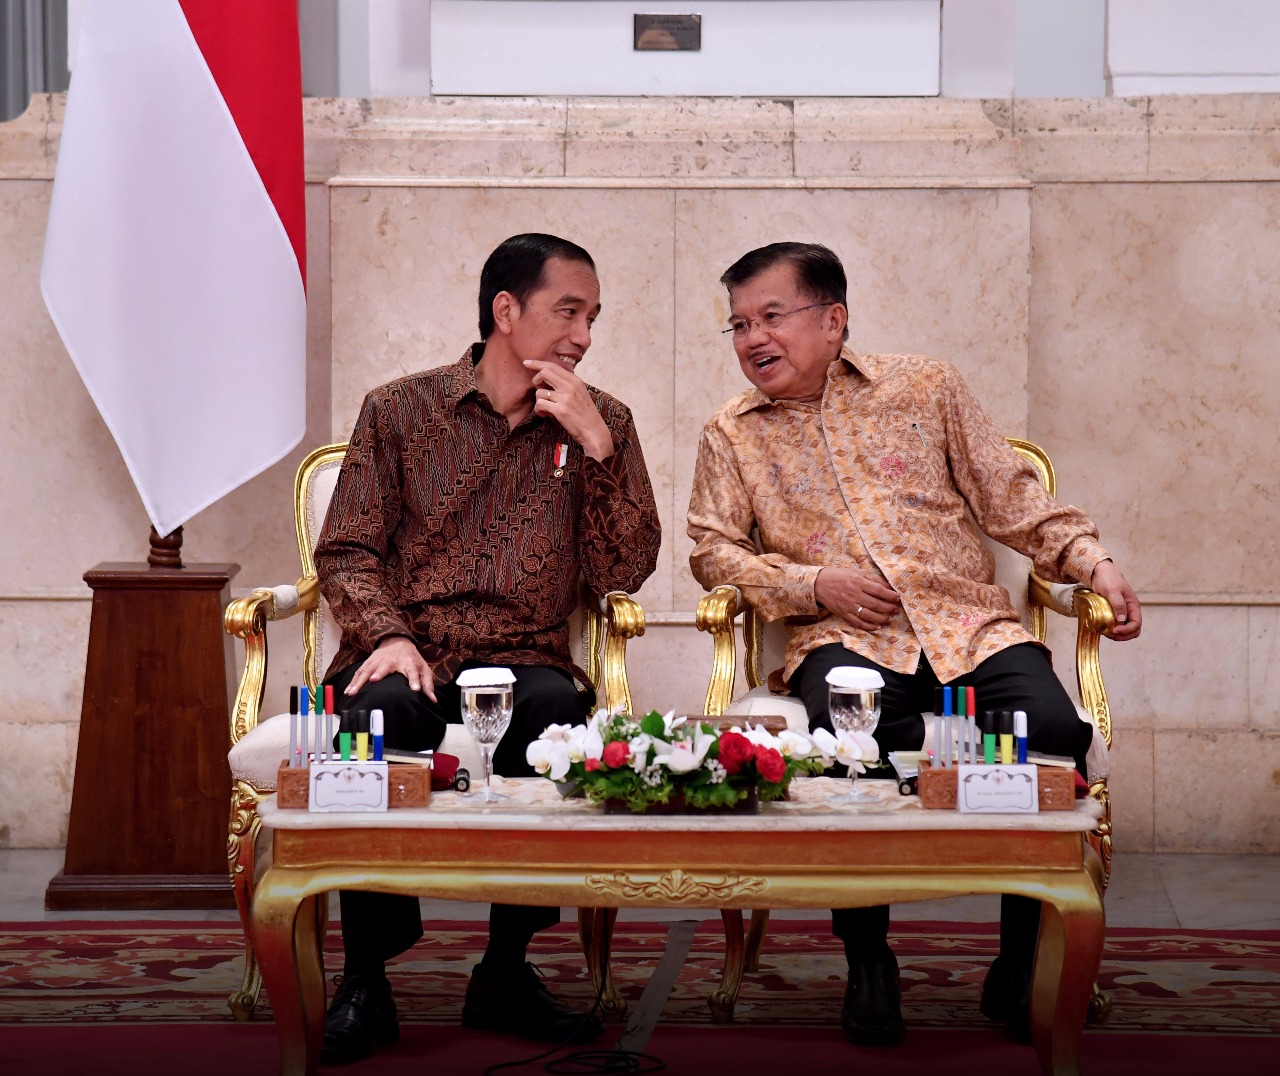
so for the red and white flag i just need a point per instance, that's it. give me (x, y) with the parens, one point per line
(175, 253)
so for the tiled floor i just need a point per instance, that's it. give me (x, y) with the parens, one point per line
(1194, 891)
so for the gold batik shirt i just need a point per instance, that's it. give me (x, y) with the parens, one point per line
(888, 473)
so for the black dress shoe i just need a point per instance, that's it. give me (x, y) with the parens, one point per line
(1006, 998)
(516, 1001)
(361, 1017)
(872, 1014)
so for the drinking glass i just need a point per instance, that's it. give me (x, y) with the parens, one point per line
(853, 700)
(486, 712)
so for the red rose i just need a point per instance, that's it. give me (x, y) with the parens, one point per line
(615, 754)
(591, 764)
(770, 763)
(735, 751)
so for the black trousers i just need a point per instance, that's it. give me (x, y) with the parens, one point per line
(378, 926)
(1018, 678)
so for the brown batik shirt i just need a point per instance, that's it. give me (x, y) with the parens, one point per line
(888, 473)
(468, 537)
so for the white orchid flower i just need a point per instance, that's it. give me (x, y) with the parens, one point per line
(760, 736)
(684, 756)
(558, 733)
(639, 748)
(584, 742)
(549, 757)
(825, 743)
(670, 723)
(850, 749)
(795, 744)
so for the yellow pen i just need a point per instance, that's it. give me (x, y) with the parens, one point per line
(1006, 738)
(362, 735)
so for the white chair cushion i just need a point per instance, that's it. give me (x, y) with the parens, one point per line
(760, 702)
(257, 757)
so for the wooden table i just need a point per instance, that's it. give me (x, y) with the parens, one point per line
(538, 849)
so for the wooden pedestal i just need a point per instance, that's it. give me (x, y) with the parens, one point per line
(149, 805)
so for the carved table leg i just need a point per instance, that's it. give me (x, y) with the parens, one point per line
(279, 923)
(723, 999)
(1068, 953)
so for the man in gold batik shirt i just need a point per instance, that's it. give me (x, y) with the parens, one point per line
(840, 495)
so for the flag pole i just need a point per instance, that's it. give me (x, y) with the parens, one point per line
(166, 550)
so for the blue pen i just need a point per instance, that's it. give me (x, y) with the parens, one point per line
(945, 746)
(1020, 735)
(304, 709)
(375, 730)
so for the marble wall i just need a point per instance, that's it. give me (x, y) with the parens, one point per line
(1104, 272)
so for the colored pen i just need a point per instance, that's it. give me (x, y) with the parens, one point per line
(972, 724)
(293, 726)
(362, 735)
(305, 729)
(375, 730)
(937, 725)
(304, 704)
(945, 746)
(328, 698)
(319, 729)
(1006, 738)
(989, 737)
(962, 712)
(344, 737)
(1020, 735)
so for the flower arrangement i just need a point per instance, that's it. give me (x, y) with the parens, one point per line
(661, 757)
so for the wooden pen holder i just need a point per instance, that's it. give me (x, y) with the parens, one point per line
(407, 786)
(937, 787)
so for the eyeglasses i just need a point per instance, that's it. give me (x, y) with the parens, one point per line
(768, 321)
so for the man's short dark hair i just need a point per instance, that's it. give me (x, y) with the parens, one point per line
(818, 271)
(518, 266)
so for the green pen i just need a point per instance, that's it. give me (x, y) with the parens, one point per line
(344, 737)
(989, 737)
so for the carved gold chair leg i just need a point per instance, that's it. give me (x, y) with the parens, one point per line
(723, 1000)
(755, 939)
(595, 926)
(1099, 1011)
(242, 842)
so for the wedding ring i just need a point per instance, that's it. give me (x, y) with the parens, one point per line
(859, 612)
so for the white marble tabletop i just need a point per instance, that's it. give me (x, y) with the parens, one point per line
(536, 804)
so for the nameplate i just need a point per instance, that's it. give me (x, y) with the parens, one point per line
(666, 33)
(997, 789)
(348, 786)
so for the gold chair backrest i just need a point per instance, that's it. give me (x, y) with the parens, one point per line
(765, 645)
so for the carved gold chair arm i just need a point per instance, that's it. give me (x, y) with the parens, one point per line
(716, 613)
(624, 619)
(247, 618)
(1094, 619)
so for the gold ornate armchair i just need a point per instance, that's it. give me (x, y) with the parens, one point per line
(603, 626)
(1033, 596)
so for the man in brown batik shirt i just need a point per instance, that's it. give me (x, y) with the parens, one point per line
(472, 499)
(863, 476)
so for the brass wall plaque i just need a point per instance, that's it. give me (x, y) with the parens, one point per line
(667, 33)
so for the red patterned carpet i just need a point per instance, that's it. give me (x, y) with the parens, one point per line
(118, 997)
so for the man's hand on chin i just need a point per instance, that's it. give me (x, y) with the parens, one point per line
(395, 654)
(1111, 584)
(562, 395)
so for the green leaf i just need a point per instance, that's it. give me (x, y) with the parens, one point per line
(651, 724)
